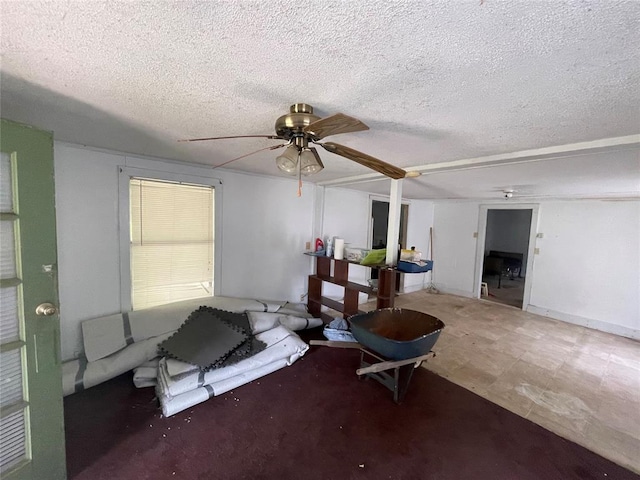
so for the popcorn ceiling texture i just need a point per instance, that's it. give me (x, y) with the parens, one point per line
(435, 81)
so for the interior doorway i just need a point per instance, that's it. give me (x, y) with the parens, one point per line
(505, 254)
(379, 228)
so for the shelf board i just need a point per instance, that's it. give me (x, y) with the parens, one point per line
(379, 265)
(332, 304)
(345, 284)
(328, 302)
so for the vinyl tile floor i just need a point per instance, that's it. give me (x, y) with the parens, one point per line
(582, 384)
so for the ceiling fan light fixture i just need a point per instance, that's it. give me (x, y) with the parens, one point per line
(288, 161)
(310, 162)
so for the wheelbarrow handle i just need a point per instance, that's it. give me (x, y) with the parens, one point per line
(335, 344)
(382, 366)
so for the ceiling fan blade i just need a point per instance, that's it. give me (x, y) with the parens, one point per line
(234, 136)
(333, 125)
(274, 147)
(366, 160)
(315, 154)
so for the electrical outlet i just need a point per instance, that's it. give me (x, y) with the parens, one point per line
(475, 234)
(307, 246)
(302, 296)
(536, 251)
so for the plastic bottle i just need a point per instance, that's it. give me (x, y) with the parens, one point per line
(329, 247)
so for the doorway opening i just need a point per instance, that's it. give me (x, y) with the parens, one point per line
(505, 255)
(379, 228)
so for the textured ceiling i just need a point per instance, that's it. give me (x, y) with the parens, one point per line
(435, 82)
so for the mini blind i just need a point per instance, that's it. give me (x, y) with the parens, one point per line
(14, 442)
(171, 242)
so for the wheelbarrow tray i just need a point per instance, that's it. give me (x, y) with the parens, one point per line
(396, 333)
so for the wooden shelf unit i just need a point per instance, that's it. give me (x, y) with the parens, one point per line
(385, 293)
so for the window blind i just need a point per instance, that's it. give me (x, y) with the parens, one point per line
(171, 242)
(14, 443)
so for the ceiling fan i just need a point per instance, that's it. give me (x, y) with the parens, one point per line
(300, 128)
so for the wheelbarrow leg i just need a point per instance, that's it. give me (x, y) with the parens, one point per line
(402, 385)
(398, 382)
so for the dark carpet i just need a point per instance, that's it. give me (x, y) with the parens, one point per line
(316, 420)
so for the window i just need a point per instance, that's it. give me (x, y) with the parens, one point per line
(171, 241)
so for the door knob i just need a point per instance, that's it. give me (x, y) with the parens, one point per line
(46, 309)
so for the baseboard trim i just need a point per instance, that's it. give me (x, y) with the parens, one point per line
(586, 322)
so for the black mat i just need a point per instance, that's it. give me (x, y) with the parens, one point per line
(204, 340)
(249, 347)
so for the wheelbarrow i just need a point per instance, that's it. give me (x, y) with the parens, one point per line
(391, 339)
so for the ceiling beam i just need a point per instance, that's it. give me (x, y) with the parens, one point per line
(613, 144)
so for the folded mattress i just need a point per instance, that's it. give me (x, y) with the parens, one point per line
(104, 336)
(190, 387)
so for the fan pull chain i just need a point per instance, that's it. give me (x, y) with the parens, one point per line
(299, 175)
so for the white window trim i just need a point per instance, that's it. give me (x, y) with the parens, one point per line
(124, 176)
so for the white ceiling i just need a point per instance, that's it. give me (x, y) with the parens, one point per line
(435, 81)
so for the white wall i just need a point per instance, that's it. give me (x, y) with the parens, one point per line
(587, 271)
(418, 225)
(588, 268)
(264, 228)
(347, 215)
(86, 185)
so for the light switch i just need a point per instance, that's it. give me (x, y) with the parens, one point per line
(307, 246)
(475, 234)
(536, 251)
(540, 235)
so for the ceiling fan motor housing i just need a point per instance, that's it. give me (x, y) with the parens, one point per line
(290, 125)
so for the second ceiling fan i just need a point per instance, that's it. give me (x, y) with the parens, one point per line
(300, 128)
